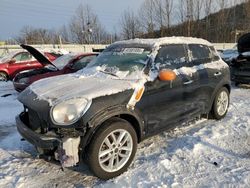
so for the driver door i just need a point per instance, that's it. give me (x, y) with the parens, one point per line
(167, 103)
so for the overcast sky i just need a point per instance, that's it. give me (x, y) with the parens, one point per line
(52, 14)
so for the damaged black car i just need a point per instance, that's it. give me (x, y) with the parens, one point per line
(133, 90)
(240, 66)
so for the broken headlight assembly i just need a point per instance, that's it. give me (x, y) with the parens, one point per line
(69, 111)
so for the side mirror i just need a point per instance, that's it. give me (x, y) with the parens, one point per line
(167, 75)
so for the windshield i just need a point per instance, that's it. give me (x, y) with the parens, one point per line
(121, 58)
(61, 61)
(8, 57)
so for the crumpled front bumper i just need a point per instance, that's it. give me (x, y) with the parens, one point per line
(39, 140)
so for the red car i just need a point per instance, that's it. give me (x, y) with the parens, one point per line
(65, 64)
(18, 61)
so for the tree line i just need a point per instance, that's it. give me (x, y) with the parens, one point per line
(214, 20)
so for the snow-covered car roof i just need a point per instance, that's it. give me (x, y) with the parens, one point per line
(165, 40)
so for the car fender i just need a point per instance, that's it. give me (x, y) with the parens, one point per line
(131, 115)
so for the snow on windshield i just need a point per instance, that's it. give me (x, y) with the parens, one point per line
(121, 60)
(60, 62)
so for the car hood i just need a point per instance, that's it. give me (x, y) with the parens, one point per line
(64, 87)
(38, 55)
(244, 43)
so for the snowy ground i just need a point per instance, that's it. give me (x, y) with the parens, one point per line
(206, 154)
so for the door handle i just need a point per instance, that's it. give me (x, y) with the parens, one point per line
(188, 82)
(217, 74)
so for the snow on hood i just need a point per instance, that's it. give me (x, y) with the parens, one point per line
(90, 85)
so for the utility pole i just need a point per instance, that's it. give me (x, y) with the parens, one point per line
(189, 25)
(60, 41)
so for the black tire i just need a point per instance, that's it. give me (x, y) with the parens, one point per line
(110, 126)
(215, 109)
(3, 77)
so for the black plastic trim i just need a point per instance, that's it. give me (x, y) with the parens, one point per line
(41, 141)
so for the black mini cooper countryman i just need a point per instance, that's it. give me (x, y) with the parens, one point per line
(134, 89)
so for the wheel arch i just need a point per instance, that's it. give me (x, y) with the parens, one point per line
(228, 87)
(211, 103)
(5, 72)
(128, 115)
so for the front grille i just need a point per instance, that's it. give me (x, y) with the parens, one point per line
(35, 122)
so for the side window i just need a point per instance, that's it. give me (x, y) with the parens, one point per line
(23, 57)
(26, 57)
(81, 63)
(171, 56)
(200, 53)
(18, 57)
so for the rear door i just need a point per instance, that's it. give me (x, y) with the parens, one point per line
(166, 103)
(205, 78)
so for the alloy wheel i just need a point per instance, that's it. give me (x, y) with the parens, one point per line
(115, 150)
(222, 103)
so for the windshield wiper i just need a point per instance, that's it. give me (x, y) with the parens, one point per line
(110, 73)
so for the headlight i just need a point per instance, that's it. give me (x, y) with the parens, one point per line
(68, 112)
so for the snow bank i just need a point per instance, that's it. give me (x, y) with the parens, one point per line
(208, 153)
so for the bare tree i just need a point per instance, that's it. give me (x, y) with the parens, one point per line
(64, 34)
(222, 19)
(158, 14)
(147, 15)
(198, 4)
(181, 11)
(130, 25)
(168, 11)
(207, 11)
(85, 26)
(30, 35)
(163, 10)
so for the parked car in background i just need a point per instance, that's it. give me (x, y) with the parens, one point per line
(240, 66)
(18, 61)
(134, 89)
(65, 64)
(229, 54)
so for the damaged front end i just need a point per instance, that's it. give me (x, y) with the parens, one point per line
(60, 143)
(240, 66)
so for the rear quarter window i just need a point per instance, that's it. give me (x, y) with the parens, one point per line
(215, 56)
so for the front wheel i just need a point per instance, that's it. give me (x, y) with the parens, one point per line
(112, 148)
(3, 77)
(221, 103)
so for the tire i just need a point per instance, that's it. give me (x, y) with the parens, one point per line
(103, 137)
(3, 77)
(220, 104)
